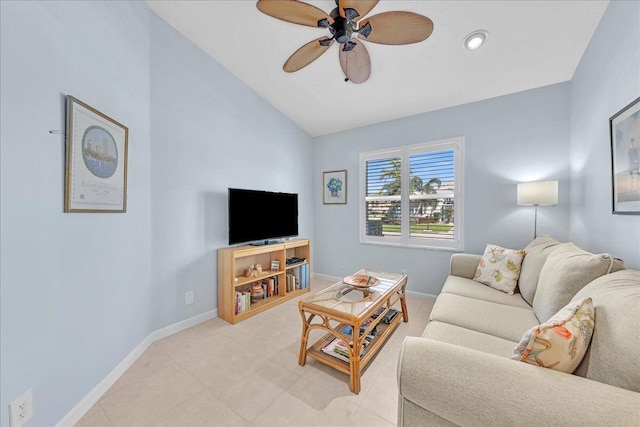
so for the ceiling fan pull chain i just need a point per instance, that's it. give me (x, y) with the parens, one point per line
(346, 67)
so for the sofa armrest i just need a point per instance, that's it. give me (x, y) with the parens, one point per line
(468, 387)
(464, 265)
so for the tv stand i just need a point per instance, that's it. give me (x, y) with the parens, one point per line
(264, 242)
(234, 261)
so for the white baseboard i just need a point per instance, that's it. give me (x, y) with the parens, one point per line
(420, 295)
(98, 391)
(182, 325)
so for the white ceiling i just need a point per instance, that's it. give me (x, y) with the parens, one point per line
(531, 44)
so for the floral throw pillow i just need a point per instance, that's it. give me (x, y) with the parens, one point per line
(500, 268)
(561, 342)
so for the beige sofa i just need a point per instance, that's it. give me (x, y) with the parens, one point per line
(459, 371)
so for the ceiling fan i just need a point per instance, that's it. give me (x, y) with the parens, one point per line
(345, 22)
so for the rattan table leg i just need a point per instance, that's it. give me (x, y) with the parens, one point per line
(354, 374)
(403, 303)
(302, 358)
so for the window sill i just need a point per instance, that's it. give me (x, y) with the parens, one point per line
(399, 245)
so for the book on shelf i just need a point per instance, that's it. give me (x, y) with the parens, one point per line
(304, 276)
(291, 282)
(243, 301)
(338, 349)
(346, 329)
(268, 285)
(296, 275)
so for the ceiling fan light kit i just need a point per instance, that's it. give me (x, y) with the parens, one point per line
(345, 22)
(476, 39)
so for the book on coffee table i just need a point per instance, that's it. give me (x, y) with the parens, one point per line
(337, 348)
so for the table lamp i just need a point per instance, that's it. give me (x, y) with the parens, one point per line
(537, 193)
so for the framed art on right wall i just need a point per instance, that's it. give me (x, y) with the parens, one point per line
(624, 129)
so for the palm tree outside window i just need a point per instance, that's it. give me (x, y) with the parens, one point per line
(412, 195)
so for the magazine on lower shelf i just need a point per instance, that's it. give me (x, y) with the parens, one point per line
(338, 349)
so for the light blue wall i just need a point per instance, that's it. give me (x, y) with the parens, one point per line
(509, 139)
(75, 292)
(63, 326)
(606, 80)
(209, 132)
(80, 291)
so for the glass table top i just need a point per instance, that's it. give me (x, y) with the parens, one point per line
(349, 299)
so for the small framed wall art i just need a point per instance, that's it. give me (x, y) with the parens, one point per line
(96, 161)
(624, 129)
(334, 187)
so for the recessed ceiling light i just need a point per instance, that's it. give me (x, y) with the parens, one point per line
(474, 40)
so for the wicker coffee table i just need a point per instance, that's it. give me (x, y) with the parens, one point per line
(342, 308)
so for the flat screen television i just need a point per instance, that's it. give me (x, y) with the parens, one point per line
(257, 216)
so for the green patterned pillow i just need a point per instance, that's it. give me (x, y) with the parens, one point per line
(500, 268)
(561, 342)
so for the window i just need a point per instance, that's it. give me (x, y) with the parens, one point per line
(412, 196)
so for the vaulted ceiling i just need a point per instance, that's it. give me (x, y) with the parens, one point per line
(530, 44)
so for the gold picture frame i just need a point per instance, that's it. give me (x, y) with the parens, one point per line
(96, 160)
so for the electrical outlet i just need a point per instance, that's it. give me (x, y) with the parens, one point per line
(21, 410)
(189, 298)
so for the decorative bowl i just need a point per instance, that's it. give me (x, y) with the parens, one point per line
(361, 281)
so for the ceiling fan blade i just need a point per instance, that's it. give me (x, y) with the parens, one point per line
(356, 63)
(398, 27)
(293, 11)
(361, 6)
(307, 54)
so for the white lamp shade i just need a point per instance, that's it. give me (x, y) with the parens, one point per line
(538, 193)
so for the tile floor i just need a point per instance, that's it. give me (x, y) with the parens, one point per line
(218, 374)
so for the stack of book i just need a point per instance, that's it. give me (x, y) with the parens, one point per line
(303, 272)
(243, 301)
(346, 329)
(338, 349)
(292, 282)
(301, 276)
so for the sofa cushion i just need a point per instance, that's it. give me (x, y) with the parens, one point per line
(472, 289)
(567, 270)
(463, 337)
(561, 342)
(500, 268)
(503, 321)
(536, 253)
(464, 265)
(614, 354)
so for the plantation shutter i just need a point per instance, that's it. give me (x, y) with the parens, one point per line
(383, 196)
(412, 196)
(432, 195)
